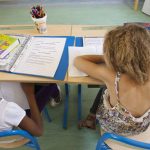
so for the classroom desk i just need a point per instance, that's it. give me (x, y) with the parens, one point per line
(57, 30)
(90, 30)
(52, 30)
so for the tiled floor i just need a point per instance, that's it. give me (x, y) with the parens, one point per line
(64, 12)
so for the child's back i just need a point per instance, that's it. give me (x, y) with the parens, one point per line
(131, 95)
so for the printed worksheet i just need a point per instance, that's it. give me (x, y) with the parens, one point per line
(78, 51)
(96, 42)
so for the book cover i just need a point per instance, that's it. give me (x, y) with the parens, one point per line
(7, 43)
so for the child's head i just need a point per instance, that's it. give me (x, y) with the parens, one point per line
(127, 50)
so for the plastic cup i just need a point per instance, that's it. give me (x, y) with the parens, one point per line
(40, 24)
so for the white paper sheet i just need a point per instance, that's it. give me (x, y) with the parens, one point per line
(96, 42)
(78, 51)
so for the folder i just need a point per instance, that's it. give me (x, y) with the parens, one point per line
(62, 65)
(79, 41)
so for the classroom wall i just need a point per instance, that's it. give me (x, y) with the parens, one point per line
(100, 12)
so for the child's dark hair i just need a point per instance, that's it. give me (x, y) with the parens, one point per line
(127, 50)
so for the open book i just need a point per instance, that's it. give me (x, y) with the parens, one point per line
(39, 56)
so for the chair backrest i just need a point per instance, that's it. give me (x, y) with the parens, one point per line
(101, 145)
(17, 138)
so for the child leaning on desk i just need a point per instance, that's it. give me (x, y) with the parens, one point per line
(21, 105)
(124, 105)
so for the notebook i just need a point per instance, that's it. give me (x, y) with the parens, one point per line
(7, 44)
(39, 56)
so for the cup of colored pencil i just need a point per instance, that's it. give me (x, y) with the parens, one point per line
(39, 17)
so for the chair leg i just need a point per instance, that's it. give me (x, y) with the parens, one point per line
(136, 4)
(46, 114)
(33, 143)
(66, 107)
(34, 146)
(79, 102)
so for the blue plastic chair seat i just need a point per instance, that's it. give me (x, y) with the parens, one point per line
(33, 143)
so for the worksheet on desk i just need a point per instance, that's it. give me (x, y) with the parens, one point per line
(40, 56)
(78, 51)
(96, 42)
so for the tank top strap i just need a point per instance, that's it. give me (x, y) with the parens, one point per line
(117, 79)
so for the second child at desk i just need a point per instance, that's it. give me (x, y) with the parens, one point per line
(21, 105)
(124, 107)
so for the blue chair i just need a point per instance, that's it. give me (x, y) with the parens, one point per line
(101, 145)
(27, 140)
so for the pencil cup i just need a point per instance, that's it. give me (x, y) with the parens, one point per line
(40, 24)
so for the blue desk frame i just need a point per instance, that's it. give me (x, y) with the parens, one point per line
(66, 105)
(79, 43)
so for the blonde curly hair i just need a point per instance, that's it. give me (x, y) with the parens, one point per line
(127, 50)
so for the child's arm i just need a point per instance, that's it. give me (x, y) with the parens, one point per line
(94, 58)
(94, 66)
(33, 124)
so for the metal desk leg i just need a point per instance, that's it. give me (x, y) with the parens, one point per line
(46, 114)
(66, 107)
(79, 102)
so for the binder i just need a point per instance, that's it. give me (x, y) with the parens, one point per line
(63, 63)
